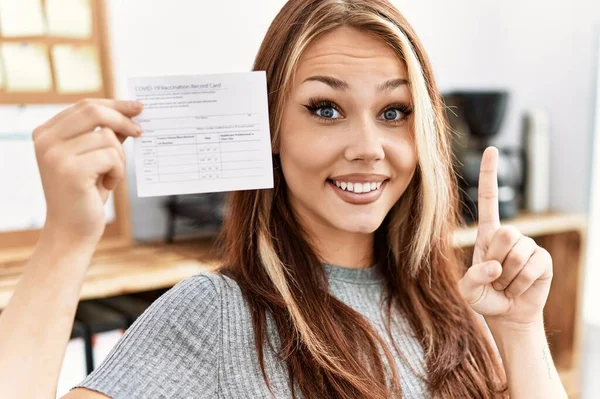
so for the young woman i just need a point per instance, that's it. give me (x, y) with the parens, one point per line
(341, 282)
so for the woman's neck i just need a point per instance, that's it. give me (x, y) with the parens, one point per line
(334, 246)
(353, 250)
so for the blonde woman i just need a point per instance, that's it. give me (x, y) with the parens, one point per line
(341, 282)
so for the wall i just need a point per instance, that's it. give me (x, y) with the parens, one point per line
(592, 294)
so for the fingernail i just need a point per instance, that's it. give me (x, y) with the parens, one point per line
(135, 105)
(497, 286)
(138, 127)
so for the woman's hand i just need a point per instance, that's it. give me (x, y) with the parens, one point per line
(81, 159)
(510, 278)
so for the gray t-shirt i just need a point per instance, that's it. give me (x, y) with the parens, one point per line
(196, 341)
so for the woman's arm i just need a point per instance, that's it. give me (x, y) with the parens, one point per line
(508, 284)
(527, 361)
(36, 326)
(81, 160)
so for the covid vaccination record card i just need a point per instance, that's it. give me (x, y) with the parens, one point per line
(202, 133)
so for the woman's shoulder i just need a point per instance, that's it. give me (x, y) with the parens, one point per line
(204, 296)
(180, 334)
(206, 286)
(199, 296)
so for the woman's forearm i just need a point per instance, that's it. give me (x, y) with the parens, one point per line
(527, 361)
(36, 325)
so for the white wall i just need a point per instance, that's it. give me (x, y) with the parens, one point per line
(543, 51)
(592, 293)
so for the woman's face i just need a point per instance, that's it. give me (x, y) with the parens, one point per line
(347, 149)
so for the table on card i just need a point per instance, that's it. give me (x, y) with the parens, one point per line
(202, 152)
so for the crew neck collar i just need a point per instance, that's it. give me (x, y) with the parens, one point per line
(369, 275)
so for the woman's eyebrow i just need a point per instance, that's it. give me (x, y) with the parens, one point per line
(341, 85)
(334, 83)
(392, 84)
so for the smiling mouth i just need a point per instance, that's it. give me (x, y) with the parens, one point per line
(358, 187)
(358, 193)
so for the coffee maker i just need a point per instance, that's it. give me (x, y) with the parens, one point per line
(478, 116)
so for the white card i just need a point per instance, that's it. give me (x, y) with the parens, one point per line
(202, 134)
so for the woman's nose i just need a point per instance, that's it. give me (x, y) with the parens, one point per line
(364, 143)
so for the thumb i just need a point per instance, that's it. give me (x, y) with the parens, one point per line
(476, 278)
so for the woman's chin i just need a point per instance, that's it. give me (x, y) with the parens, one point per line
(359, 226)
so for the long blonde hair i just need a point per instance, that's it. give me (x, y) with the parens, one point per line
(330, 350)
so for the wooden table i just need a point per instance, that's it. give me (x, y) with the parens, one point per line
(129, 270)
(154, 266)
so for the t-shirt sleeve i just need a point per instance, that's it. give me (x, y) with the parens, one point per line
(175, 341)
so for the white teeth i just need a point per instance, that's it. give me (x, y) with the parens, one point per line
(358, 188)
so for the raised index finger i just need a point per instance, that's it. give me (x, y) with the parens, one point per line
(489, 215)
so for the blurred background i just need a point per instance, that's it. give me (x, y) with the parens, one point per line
(521, 75)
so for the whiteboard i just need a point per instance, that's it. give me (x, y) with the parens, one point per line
(22, 203)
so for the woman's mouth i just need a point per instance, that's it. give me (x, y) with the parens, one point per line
(358, 188)
(358, 193)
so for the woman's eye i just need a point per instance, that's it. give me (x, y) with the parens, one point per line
(327, 112)
(392, 114)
